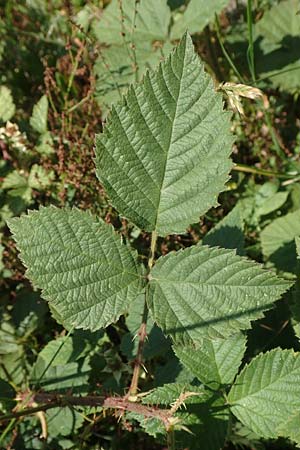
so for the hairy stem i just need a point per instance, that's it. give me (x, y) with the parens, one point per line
(48, 400)
(142, 333)
(171, 439)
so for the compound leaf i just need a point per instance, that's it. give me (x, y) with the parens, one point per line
(267, 392)
(84, 270)
(215, 361)
(164, 155)
(209, 292)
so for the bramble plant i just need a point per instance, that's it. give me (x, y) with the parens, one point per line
(163, 158)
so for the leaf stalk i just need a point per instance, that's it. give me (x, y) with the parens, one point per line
(142, 333)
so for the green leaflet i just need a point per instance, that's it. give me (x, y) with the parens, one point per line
(209, 292)
(267, 392)
(278, 241)
(85, 272)
(214, 361)
(164, 155)
(197, 15)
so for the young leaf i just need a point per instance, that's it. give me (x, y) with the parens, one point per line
(164, 155)
(267, 392)
(215, 361)
(197, 15)
(278, 241)
(85, 272)
(39, 117)
(209, 292)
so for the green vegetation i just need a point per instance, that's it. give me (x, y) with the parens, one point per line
(150, 186)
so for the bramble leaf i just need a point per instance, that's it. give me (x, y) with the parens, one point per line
(209, 292)
(267, 392)
(84, 270)
(214, 361)
(164, 155)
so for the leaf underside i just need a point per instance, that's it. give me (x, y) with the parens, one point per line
(84, 270)
(267, 392)
(209, 292)
(164, 155)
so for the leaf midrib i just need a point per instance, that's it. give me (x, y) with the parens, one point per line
(169, 143)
